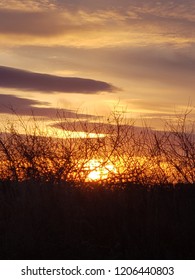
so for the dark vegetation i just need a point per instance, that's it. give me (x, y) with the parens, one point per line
(144, 210)
(40, 222)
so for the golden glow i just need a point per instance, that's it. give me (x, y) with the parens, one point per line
(99, 170)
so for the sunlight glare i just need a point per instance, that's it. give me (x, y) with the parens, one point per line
(99, 171)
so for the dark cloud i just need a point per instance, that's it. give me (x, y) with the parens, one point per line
(31, 81)
(96, 127)
(27, 107)
(80, 126)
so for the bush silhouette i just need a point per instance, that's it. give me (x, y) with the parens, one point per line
(141, 209)
(138, 155)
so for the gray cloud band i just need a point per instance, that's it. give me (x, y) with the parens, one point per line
(26, 107)
(45, 83)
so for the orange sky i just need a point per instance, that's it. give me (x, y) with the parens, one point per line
(91, 55)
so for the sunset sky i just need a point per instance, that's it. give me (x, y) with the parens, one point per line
(90, 55)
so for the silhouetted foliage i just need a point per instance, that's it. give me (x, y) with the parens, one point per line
(143, 208)
(123, 151)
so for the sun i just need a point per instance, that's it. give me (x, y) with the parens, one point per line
(94, 175)
(99, 170)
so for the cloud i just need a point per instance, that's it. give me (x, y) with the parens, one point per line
(87, 23)
(85, 126)
(163, 64)
(45, 83)
(94, 127)
(27, 107)
(52, 23)
(157, 73)
(29, 5)
(32, 23)
(158, 63)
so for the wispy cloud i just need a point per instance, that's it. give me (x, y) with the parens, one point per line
(45, 83)
(86, 23)
(29, 5)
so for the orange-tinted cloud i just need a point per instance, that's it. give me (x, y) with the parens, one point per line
(110, 23)
(145, 47)
(31, 23)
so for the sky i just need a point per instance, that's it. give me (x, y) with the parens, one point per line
(88, 56)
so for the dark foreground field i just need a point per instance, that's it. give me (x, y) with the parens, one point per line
(67, 222)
